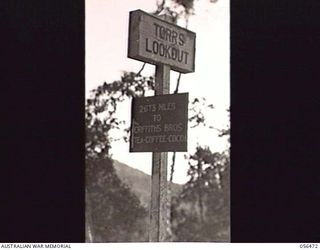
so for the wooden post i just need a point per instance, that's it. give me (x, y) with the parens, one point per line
(145, 43)
(158, 209)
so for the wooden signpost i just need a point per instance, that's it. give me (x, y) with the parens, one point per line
(159, 123)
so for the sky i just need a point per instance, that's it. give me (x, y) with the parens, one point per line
(106, 41)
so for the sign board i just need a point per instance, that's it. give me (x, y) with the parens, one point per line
(159, 123)
(156, 41)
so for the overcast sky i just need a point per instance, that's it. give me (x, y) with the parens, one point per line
(106, 57)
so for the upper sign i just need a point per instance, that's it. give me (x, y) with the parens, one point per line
(159, 123)
(156, 41)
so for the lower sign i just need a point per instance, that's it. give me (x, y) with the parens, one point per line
(159, 123)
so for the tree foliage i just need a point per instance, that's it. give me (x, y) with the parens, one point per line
(101, 110)
(116, 213)
(201, 212)
(178, 8)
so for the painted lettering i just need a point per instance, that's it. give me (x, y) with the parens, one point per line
(157, 118)
(166, 106)
(154, 139)
(166, 51)
(147, 129)
(174, 37)
(173, 127)
(169, 35)
(147, 48)
(147, 108)
(176, 138)
(182, 39)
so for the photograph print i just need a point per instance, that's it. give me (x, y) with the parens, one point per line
(157, 117)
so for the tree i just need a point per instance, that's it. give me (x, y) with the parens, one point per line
(201, 212)
(116, 213)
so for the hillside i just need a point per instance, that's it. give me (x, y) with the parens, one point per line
(139, 182)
